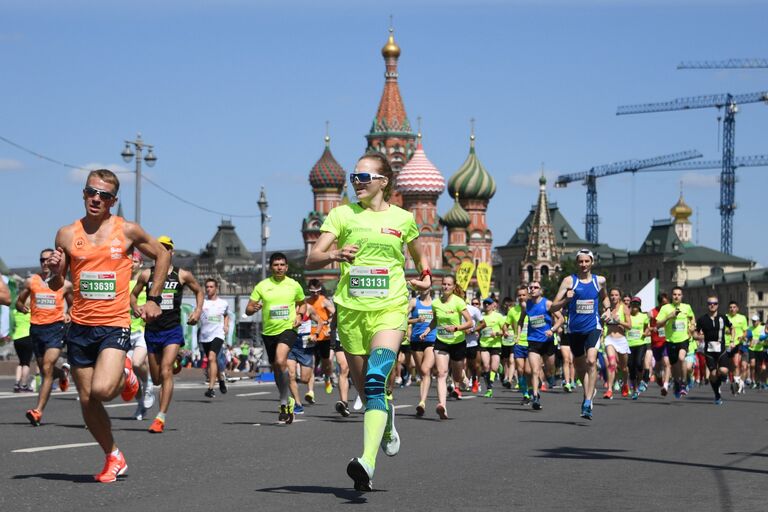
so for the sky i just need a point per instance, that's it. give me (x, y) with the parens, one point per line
(235, 94)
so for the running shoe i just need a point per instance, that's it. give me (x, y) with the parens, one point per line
(328, 387)
(361, 474)
(149, 395)
(343, 409)
(450, 388)
(440, 410)
(210, 393)
(177, 365)
(676, 389)
(34, 416)
(586, 411)
(157, 426)
(506, 384)
(390, 441)
(543, 387)
(643, 387)
(223, 386)
(389, 396)
(625, 390)
(683, 390)
(310, 397)
(475, 386)
(488, 394)
(26, 389)
(290, 410)
(114, 466)
(567, 387)
(635, 395)
(616, 386)
(664, 389)
(526, 399)
(298, 409)
(64, 379)
(131, 385)
(718, 401)
(17, 388)
(421, 409)
(358, 403)
(741, 387)
(608, 395)
(536, 403)
(457, 393)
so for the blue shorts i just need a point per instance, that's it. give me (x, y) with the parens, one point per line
(520, 352)
(583, 341)
(302, 355)
(85, 342)
(158, 340)
(47, 336)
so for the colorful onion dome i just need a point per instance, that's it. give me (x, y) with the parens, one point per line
(457, 217)
(327, 173)
(420, 175)
(472, 181)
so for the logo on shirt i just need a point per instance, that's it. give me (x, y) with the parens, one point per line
(79, 243)
(390, 231)
(116, 242)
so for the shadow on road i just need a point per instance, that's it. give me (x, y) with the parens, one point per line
(59, 476)
(571, 423)
(351, 496)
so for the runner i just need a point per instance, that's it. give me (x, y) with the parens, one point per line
(735, 341)
(678, 322)
(450, 345)
(342, 406)
(583, 292)
(25, 350)
(301, 358)
(324, 309)
(636, 339)
(97, 252)
(491, 330)
(423, 338)
(569, 379)
(212, 334)
(48, 317)
(472, 337)
(145, 398)
(756, 338)
(520, 350)
(165, 336)
(507, 347)
(372, 298)
(542, 324)
(662, 369)
(711, 330)
(617, 323)
(282, 300)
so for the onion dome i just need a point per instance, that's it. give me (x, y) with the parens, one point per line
(457, 217)
(472, 181)
(327, 173)
(391, 49)
(681, 211)
(420, 175)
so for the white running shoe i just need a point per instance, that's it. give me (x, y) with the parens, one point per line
(140, 412)
(358, 403)
(148, 399)
(390, 442)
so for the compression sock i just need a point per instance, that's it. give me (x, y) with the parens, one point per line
(493, 376)
(487, 378)
(281, 379)
(376, 409)
(716, 388)
(521, 383)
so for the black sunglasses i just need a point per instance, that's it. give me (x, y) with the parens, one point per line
(103, 194)
(713, 303)
(364, 177)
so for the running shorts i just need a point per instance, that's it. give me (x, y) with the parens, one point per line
(494, 351)
(25, 349)
(157, 341)
(357, 328)
(506, 351)
(303, 356)
(716, 360)
(456, 351)
(287, 337)
(212, 346)
(137, 340)
(520, 351)
(659, 353)
(46, 336)
(323, 349)
(673, 350)
(542, 348)
(85, 342)
(421, 346)
(471, 353)
(583, 341)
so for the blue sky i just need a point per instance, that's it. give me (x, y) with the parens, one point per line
(234, 95)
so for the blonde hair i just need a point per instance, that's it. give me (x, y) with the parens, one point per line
(105, 175)
(385, 169)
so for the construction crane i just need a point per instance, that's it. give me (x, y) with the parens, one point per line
(724, 64)
(739, 161)
(729, 103)
(590, 180)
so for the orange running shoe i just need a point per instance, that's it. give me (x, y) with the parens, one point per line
(475, 386)
(157, 426)
(64, 379)
(543, 387)
(608, 395)
(131, 386)
(625, 390)
(114, 466)
(34, 416)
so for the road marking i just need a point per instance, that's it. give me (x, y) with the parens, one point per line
(468, 397)
(402, 406)
(255, 394)
(133, 404)
(28, 395)
(277, 423)
(54, 447)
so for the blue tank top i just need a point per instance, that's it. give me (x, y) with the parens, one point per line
(421, 309)
(583, 313)
(539, 320)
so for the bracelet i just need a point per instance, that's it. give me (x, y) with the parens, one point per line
(426, 272)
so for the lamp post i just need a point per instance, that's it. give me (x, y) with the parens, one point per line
(150, 158)
(264, 231)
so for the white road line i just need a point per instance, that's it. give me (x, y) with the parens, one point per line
(54, 447)
(468, 397)
(402, 406)
(276, 423)
(28, 395)
(255, 394)
(130, 404)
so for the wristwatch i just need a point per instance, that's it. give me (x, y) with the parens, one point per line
(157, 299)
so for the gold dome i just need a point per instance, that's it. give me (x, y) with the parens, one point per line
(681, 211)
(391, 49)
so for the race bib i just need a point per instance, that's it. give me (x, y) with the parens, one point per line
(714, 346)
(681, 325)
(634, 334)
(369, 282)
(214, 319)
(487, 332)
(426, 314)
(282, 312)
(167, 303)
(508, 340)
(98, 285)
(585, 307)
(537, 321)
(306, 342)
(45, 300)
(444, 333)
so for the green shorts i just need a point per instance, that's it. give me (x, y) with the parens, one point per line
(357, 328)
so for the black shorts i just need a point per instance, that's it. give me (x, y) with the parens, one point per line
(212, 346)
(85, 342)
(323, 349)
(421, 346)
(47, 336)
(506, 351)
(405, 349)
(456, 351)
(287, 337)
(543, 348)
(25, 349)
(471, 353)
(716, 360)
(494, 351)
(565, 340)
(583, 341)
(673, 350)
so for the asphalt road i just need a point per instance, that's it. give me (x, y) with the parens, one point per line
(229, 453)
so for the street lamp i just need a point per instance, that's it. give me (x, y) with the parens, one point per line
(264, 231)
(150, 159)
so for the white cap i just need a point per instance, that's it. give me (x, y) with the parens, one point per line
(755, 318)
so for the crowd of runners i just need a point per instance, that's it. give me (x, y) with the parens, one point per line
(121, 325)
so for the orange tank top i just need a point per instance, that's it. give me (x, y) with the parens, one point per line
(47, 305)
(324, 332)
(100, 275)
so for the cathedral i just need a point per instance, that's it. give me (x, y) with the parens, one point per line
(418, 186)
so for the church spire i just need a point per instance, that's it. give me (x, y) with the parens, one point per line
(541, 253)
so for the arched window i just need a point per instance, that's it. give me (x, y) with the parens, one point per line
(530, 273)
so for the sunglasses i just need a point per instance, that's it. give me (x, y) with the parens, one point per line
(103, 194)
(364, 178)
(712, 303)
(475, 303)
(534, 287)
(314, 291)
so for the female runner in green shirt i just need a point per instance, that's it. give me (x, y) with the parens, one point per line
(372, 296)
